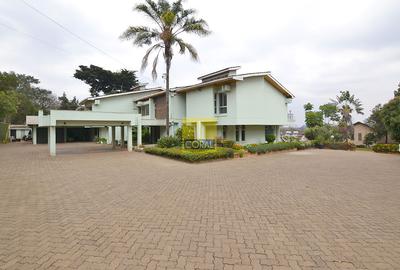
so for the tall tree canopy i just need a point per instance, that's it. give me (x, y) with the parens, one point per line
(21, 96)
(105, 81)
(391, 118)
(66, 104)
(375, 121)
(170, 22)
(397, 92)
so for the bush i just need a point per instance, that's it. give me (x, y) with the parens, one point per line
(227, 143)
(270, 138)
(271, 147)
(191, 155)
(340, 146)
(101, 140)
(4, 133)
(385, 148)
(237, 146)
(168, 142)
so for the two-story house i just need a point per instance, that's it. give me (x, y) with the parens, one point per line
(244, 107)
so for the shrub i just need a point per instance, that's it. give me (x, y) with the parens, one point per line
(168, 142)
(101, 140)
(386, 148)
(270, 138)
(271, 147)
(369, 139)
(237, 146)
(340, 146)
(191, 155)
(227, 143)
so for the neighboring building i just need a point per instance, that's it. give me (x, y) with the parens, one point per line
(359, 131)
(18, 132)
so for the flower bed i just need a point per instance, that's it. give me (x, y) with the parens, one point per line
(191, 155)
(386, 148)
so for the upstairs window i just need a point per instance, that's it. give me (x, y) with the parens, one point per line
(144, 110)
(220, 101)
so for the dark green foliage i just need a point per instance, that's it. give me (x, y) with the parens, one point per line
(279, 146)
(375, 121)
(324, 134)
(397, 92)
(4, 133)
(106, 81)
(391, 118)
(191, 155)
(369, 139)
(339, 146)
(308, 107)
(314, 119)
(169, 142)
(270, 138)
(228, 143)
(330, 112)
(66, 104)
(386, 148)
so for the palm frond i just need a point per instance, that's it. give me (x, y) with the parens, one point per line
(141, 35)
(150, 11)
(155, 62)
(183, 46)
(147, 54)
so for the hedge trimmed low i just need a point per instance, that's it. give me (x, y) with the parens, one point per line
(272, 147)
(340, 146)
(191, 155)
(386, 148)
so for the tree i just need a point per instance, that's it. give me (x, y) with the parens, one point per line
(391, 118)
(346, 104)
(106, 81)
(30, 97)
(308, 107)
(375, 121)
(330, 112)
(170, 20)
(397, 92)
(8, 105)
(370, 139)
(66, 104)
(312, 118)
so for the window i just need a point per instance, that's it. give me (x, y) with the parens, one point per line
(243, 133)
(223, 103)
(237, 133)
(144, 110)
(270, 130)
(220, 103)
(359, 136)
(224, 131)
(215, 103)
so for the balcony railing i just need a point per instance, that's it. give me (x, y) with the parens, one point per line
(291, 117)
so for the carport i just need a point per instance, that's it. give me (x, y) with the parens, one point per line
(60, 118)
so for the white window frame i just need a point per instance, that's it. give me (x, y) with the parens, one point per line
(218, 96)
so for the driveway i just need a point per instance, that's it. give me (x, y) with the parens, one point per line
(101, 209)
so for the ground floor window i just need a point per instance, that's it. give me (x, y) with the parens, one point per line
(224, 131)
(269, 130)
(240, 133)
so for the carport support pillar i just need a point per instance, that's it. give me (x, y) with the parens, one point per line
(52, 140)
(122, 137)
(139, 132)
(113, 137)
(34, 136)
(129, 130)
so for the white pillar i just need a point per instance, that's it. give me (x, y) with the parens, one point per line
(113, 137)
(139, 131)
(198, 130)
(129, 130)
(52, 140)
(122, 137)
(34, 136)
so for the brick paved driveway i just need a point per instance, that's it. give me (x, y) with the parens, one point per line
(316, 209)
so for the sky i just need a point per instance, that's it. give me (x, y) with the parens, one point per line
(315, 48)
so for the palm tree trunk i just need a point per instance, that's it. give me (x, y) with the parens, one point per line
(168, 66)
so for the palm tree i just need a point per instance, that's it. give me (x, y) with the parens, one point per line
(346, 104)
(170, 21)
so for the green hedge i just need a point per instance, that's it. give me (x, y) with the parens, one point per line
(279, 146)
(191, 155)
(168, 142)
(386, 148)
(340, 146)
(4, 133)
